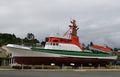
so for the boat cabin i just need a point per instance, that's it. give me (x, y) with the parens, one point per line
(72, 43)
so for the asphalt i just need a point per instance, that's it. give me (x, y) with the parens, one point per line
(64, 70)
(58, 73)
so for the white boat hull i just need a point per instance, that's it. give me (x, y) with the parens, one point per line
(27, 56)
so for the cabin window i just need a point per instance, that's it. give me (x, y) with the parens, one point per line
(57, 44)
(66, 40)
(55, 40)
(53, 43)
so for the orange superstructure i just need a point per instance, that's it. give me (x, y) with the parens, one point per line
(73, 38)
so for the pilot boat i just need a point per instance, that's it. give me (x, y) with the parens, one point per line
(62, 50)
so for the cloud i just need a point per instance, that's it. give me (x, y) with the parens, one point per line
(98, 20)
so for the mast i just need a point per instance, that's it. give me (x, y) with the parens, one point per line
(74, 28)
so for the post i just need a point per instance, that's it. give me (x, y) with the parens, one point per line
(110, 64)
(3, 62)
(115, 66)
(62, 66)
(22, 65)
(11, 61)
(99, 66)
(42, 66)
(81, 67)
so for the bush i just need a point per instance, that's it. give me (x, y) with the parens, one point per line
(20, 67)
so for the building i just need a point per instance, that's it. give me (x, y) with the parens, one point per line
(5, 57)
(118, 52)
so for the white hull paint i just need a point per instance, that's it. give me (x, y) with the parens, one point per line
(26, 52)
(62, 46)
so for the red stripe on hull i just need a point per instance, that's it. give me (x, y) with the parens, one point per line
(60, 61)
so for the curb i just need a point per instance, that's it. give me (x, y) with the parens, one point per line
(64, 70)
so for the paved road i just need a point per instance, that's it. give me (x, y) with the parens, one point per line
(19, 73)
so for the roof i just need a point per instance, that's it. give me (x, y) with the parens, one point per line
(2, 53)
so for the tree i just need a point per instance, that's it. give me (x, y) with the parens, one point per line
(83, 45)
(2, 42)
(30, 40)
(30, 36)
(115, 49)
(43, 43)
(6, 38)
(91, 43)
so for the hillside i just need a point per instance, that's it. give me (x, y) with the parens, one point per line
(6, 38)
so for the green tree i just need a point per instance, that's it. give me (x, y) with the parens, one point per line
(2, 42)
(6, 38)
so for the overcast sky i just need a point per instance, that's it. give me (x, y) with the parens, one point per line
(98, 20)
